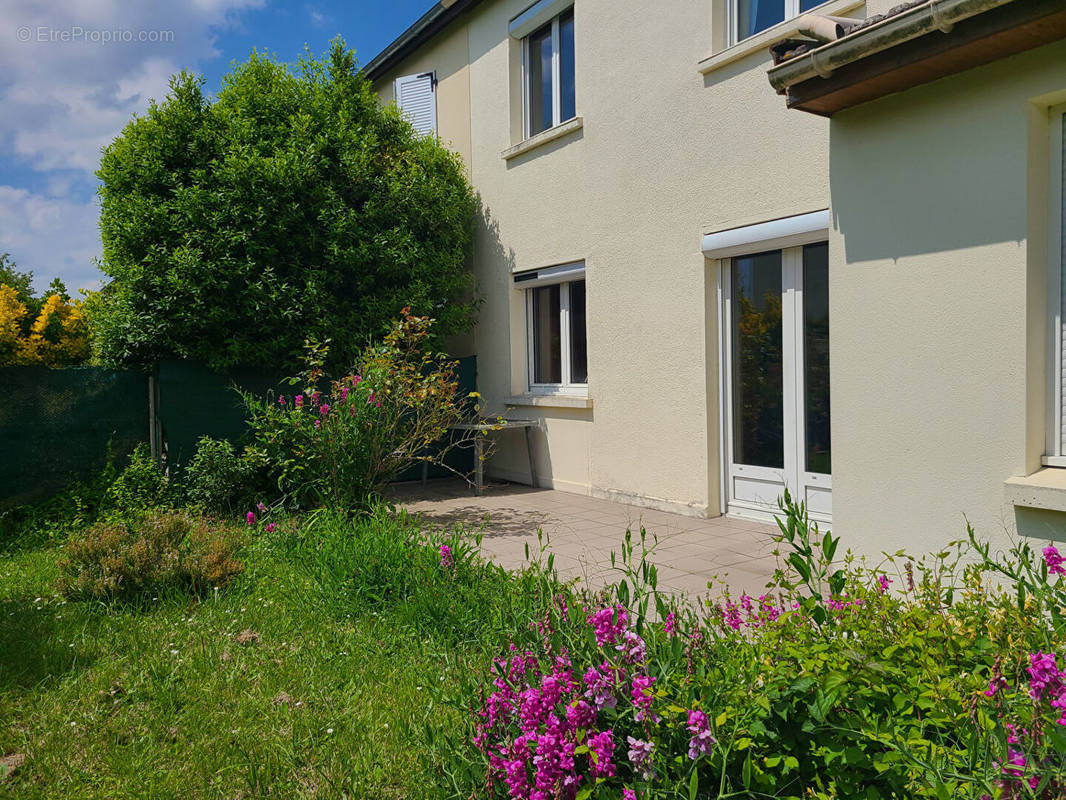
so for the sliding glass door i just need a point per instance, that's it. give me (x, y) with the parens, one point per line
(777, 390)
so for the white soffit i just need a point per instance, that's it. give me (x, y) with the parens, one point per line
(535, 16)
(773, 235)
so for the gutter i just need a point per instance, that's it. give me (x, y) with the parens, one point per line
(894, 30)
(423, 29)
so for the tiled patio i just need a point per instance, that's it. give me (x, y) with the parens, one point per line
(582, 531)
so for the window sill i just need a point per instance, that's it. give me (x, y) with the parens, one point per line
(763, 39)
(550, 400)
(1045, 488)
(550, 135)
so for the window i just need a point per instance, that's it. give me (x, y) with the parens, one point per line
(555, 314)
(548, 67)
(416, 95)
(749, 17)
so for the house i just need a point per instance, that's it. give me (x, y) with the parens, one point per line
(670, 284)
(946, 261)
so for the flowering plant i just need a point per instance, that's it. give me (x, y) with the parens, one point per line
(339, 442)
(838, 681)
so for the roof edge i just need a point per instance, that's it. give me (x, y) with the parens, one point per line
(424, 28)
(889, 32)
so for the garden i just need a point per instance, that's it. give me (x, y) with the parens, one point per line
(257, 621)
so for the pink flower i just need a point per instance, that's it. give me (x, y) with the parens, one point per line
(281, 400)
(299, 400)
(318, 423)
(323, 409)
(1053, 560)
(601, 748)
(670, 626)
(580, 714)
(262, 508)
(250, 517)
(641, 695)
(270, 527)
(356, 380)
(883, 581)
(445, 556)
(629, 794)
(344, 393)
(608, 623)
(701, 742)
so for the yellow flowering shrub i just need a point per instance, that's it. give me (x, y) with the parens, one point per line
(12, 313)
(58, 337)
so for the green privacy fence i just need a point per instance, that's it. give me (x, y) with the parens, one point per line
(58, 426)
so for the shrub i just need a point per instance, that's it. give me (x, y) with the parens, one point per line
(288, 204)
(218, 478)
(142, 485)
(340, 444)
(124, 560)
(829, 685)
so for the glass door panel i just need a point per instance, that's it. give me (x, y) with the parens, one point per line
(816, 357)
(777, 384)
(758, 402)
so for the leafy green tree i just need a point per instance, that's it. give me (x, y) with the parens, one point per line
(21, 282)
(292, 206)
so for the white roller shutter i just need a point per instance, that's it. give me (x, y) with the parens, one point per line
(417, 98)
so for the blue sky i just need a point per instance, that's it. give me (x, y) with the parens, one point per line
(72, 74)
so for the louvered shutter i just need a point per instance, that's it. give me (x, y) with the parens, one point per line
(417, 99)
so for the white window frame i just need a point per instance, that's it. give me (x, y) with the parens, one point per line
(792, 10)
(1055, 456)
(562, 276)
(557, 99)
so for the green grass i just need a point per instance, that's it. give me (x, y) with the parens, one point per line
(356, 628)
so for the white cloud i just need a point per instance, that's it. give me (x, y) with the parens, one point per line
(51, 237)
(71, 75)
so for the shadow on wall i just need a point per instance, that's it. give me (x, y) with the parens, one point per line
(1040, 525)
(934, 169)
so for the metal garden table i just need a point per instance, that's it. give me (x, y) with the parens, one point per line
(485, 428)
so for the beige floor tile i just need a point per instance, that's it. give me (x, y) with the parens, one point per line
(583, 531)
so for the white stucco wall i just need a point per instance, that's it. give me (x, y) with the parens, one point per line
(665, 155)
(938, 304)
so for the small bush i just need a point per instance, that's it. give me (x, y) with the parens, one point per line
(337, 444)
(165, 551)
(141, 485)
(218, 478)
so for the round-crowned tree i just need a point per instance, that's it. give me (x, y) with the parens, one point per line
(292, 206)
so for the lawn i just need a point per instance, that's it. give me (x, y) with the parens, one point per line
(286, 684)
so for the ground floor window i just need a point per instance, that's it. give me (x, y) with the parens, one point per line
(555, 326)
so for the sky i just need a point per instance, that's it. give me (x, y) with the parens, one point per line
(72, 73)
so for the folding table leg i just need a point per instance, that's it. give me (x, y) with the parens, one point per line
(529, 452)
(479, 478)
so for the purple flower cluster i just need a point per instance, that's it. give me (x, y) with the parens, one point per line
(544, 707)
(1054, 560)
(747, 614)
(640, 756)
(701, 743)
(445, 556)
(609, 623)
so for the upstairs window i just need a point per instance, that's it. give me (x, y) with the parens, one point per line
(416, 95)
(548, 61)
(753, 16)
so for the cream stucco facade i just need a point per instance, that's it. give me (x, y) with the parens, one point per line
(932, 351)
(938, 293)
